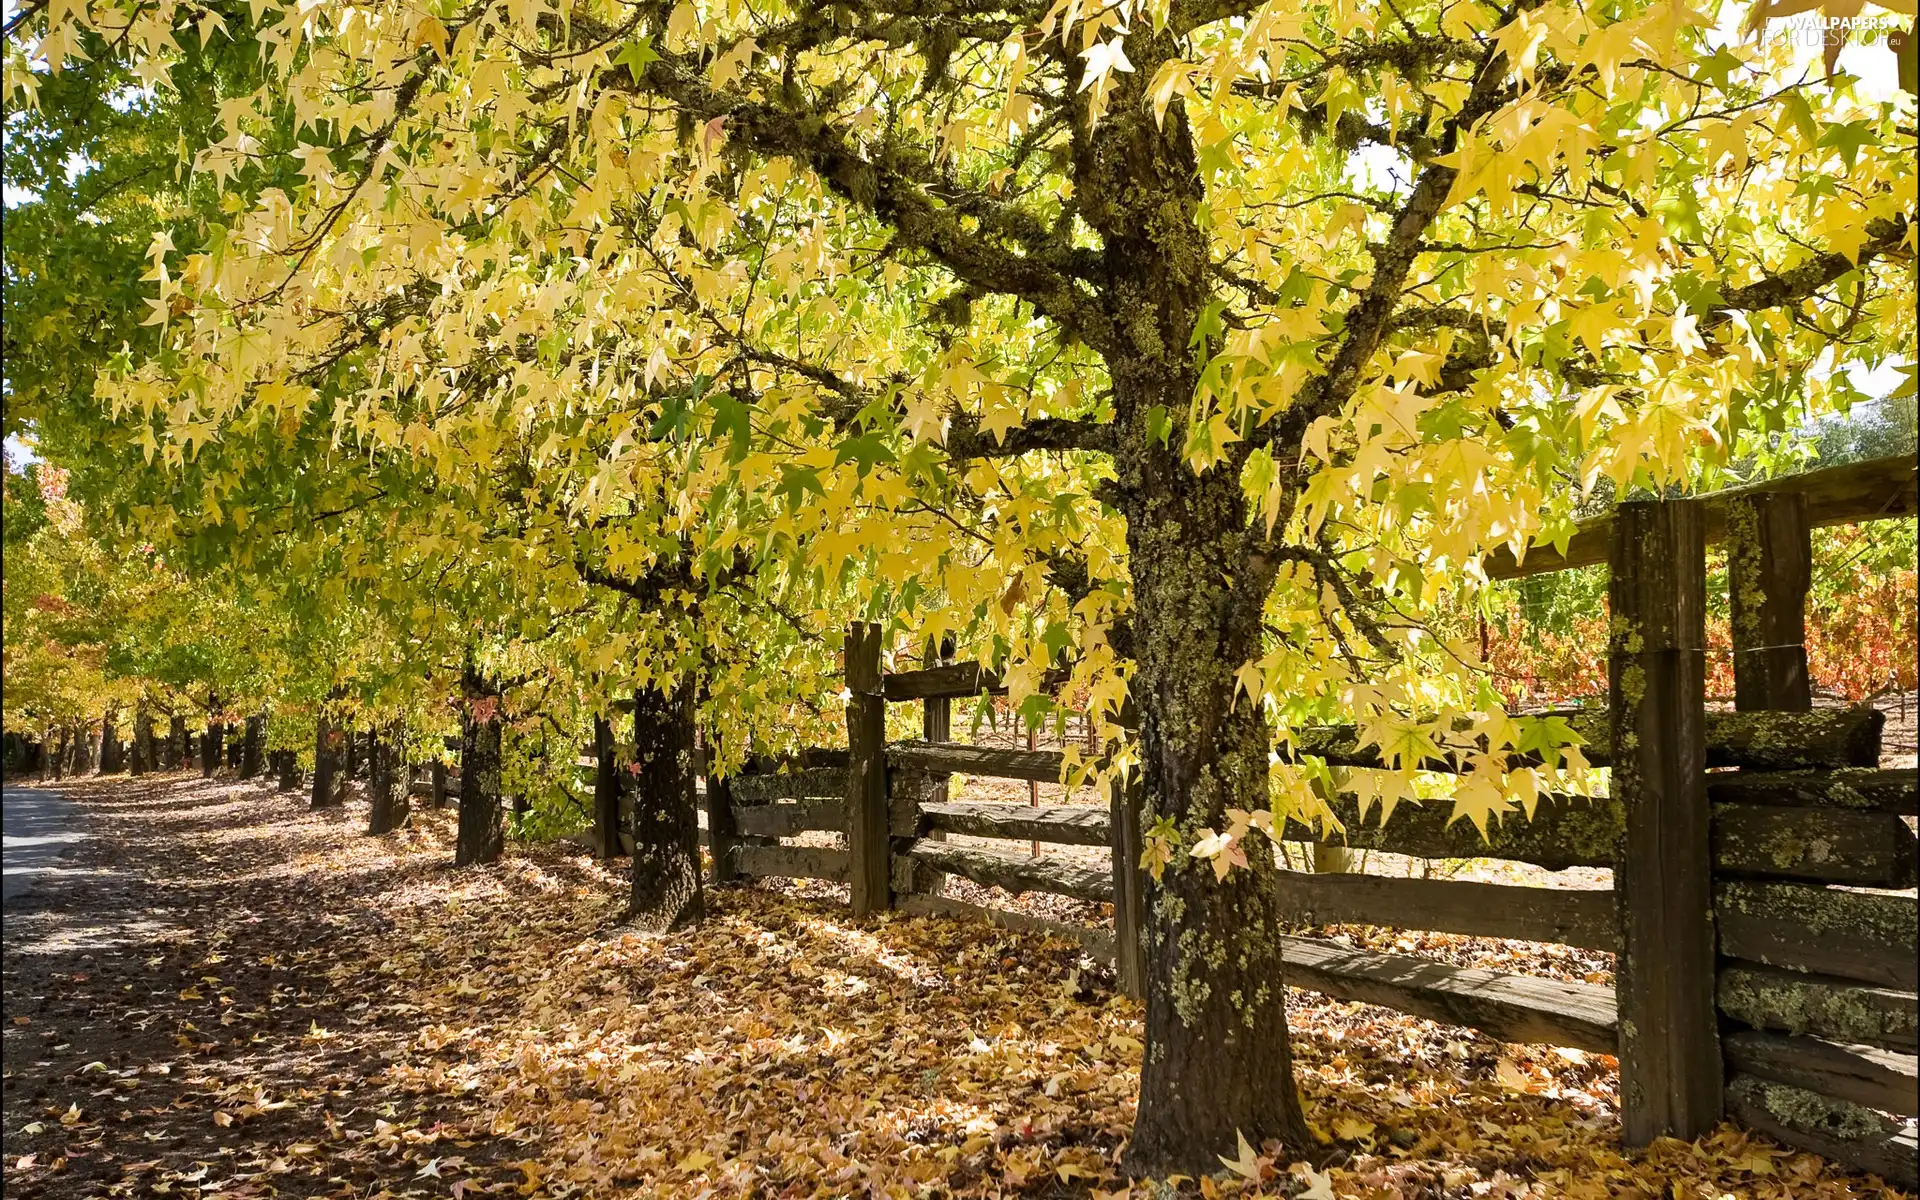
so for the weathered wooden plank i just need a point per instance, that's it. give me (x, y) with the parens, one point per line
(1874, 938)
(1513, 1008)
(907, 793)
(807, 784)
(1068, 824)
(1042, 766)
(1864, 789)
(1840, 1009)
(1882, 1079)
(1839, 495)
(1763, 741)
(1566, 831)
(807, 758)
(1097, 942)
(868, 846)
(1534, 914)
(1864, 849)
(1837, 1129)
(1785, 741)
(956, 680)
(785, 820)
(798, 862)
(1769, 570)
(1015, 872)
(941, 682)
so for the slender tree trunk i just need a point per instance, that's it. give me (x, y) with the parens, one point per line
(110, 757)
(482, 837)
(174, 756)
(606, 791)
(326, 754)
(250, 749)
(112, 760)
(60, 755)
(352, 750)
(1217, 1062)
(83, 749)
(387, 782)
(143, 759)
(287, 767)
(213, 745)
(666, 826)
(437, 775)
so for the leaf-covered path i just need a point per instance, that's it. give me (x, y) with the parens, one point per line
(229, 996)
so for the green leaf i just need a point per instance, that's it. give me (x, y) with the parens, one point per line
(635, 56)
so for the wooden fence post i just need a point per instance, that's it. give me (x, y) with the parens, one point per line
(1769, 572)
(1129, 891)
(722, 833)
(867, 837)
(1670, 1070)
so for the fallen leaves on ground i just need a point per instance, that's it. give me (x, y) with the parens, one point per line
(230, 996)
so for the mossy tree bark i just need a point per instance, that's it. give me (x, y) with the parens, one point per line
(387, 782)
(482, 836)
(326, 763)
(1217, 1062)
(666, 828)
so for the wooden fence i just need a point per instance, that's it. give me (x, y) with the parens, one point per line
(1762, 917)
(1764, 969)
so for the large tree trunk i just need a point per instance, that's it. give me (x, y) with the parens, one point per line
(1217, 1062)
(143, 759)
(250, 747)
(666, 824)
(482, 837)
(387, 783)
(326, 760)
(174, 755)
(112, 759)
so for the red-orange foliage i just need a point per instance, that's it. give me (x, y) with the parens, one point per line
(1861, 622)
(1861, 634)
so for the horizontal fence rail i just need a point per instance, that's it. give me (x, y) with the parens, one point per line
(1840, 495)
